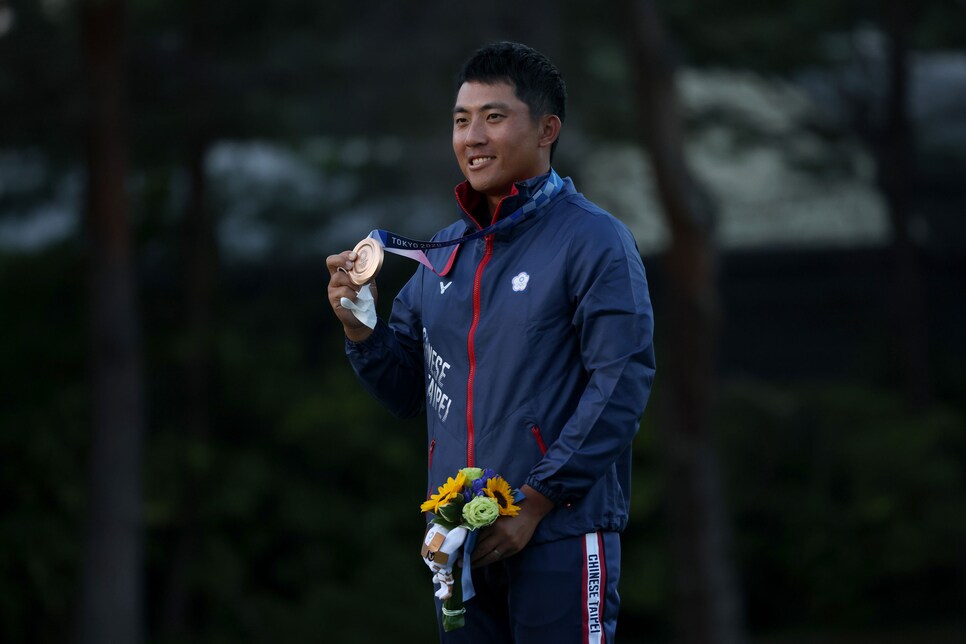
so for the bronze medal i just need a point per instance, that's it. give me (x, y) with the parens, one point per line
(369, 256)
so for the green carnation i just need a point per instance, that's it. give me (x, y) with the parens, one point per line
(481, 512)
(471, 474)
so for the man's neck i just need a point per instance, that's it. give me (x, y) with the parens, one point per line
(488, 206)
(483, 213)
(492, 203)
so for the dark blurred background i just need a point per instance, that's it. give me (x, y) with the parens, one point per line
(184, 451)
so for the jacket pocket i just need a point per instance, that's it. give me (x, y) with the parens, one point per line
(539, 438)
(429, 477)
(543, 448)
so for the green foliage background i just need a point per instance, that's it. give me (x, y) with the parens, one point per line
(848, 511)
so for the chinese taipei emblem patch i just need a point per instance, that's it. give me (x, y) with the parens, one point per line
(520, 281)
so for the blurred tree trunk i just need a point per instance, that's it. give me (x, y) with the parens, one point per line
(887, 131)
(895, 156)
(199, 273)
(706, 598)
(111, 584)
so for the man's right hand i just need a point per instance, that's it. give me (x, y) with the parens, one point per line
(341, 286)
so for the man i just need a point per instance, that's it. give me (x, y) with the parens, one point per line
(531, 352)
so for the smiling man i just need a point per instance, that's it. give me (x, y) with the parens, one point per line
(530, 351)
(497, 141)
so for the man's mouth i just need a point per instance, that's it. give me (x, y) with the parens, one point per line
(475, 162)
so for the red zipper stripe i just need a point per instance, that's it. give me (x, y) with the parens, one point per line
(536, 434)
(471, 348)
(470, 341)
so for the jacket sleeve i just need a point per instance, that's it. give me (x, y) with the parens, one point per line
(389, 363)
(614, 324)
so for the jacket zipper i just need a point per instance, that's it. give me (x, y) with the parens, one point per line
(471, 348)
(536, 434)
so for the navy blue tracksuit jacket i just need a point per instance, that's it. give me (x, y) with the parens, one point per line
(531, 355)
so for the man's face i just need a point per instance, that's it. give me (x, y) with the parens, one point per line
(496, 141)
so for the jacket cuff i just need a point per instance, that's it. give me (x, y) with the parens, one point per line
(374, 341)
(556, 496)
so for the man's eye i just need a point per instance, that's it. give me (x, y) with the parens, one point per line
(460, 121)
(494, 117)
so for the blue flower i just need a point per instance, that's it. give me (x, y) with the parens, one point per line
(478, 486)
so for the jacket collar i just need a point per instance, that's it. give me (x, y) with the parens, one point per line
(470, 201)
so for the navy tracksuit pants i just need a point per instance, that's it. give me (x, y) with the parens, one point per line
(560, 592)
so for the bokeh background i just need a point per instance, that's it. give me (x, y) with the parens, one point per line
(186, 456)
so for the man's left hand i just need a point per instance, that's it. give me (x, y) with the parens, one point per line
(509, 535)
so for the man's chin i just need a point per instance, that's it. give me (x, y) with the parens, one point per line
(488, 188)
(479, 186)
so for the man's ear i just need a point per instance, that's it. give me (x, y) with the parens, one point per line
(549, 129)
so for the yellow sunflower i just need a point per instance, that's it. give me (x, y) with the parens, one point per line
(447, 492)
(499, 490)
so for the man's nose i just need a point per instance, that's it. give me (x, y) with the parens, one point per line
(475, 133)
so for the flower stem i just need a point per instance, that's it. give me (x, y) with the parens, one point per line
(453, 611)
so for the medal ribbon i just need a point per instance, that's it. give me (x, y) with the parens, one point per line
(416, 249)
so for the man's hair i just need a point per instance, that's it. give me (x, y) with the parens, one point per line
(534, 78)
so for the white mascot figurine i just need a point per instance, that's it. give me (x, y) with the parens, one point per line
(439, 552)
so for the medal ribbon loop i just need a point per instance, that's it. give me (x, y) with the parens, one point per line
(416, 249)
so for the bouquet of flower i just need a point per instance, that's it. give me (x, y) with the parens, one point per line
(472, 500)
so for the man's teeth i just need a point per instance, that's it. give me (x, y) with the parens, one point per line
(478, 160)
